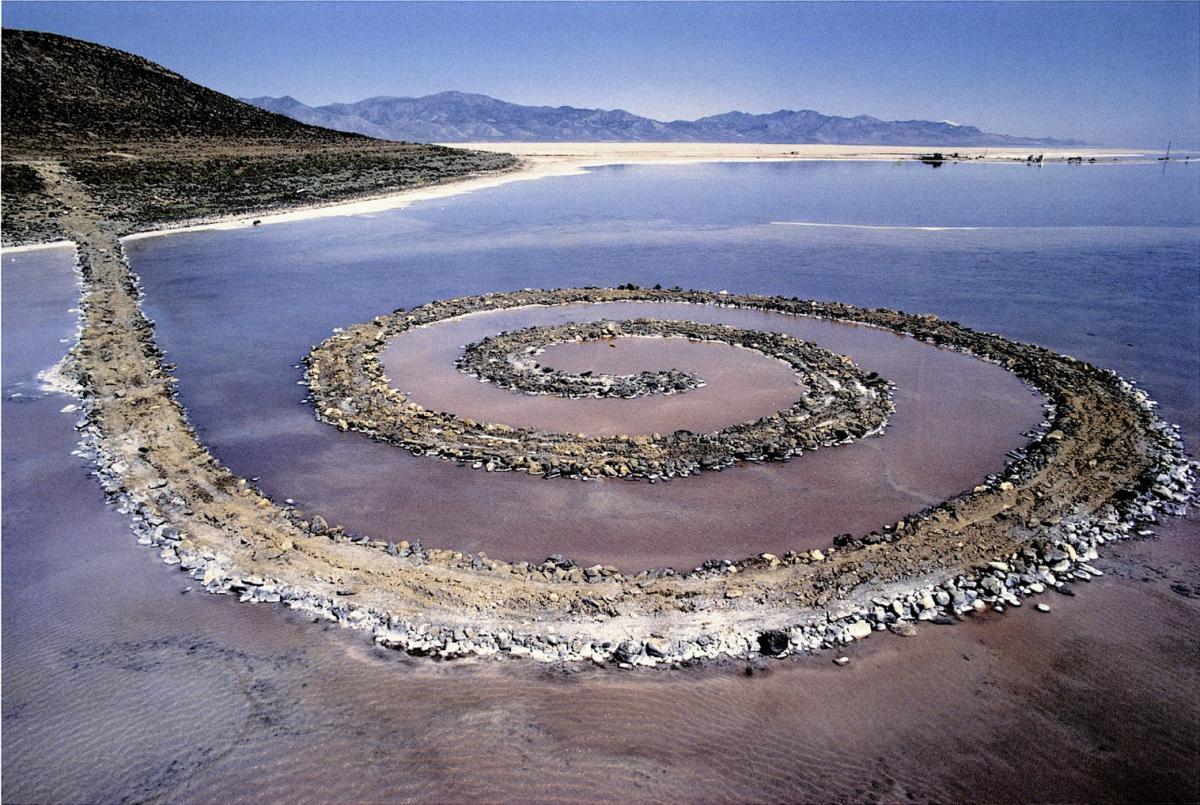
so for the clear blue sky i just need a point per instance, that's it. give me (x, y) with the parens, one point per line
(1109, 73)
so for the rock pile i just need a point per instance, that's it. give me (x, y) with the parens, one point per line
(508, 359)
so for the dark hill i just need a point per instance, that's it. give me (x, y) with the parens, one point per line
(62, 92)
(153, 148)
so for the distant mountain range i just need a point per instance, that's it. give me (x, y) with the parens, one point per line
(464, 117)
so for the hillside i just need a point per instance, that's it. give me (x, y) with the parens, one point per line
(60, 92)
(464, 117)
(153, 148)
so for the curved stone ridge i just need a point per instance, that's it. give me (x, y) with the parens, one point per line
(508, 359)
(838, 403)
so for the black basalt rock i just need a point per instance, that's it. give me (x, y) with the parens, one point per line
(773, 642)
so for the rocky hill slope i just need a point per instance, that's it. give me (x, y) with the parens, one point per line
(153, 148)
(60, 92)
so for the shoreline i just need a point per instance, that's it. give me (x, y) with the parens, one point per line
(638, 152)
(543, 160)
(35, 247)
(363, 205)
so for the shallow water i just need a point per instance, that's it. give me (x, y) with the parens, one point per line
(117, 687)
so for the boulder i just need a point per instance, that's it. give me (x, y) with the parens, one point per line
(773, 642)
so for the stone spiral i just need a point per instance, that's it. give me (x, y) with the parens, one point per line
(838, 402)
